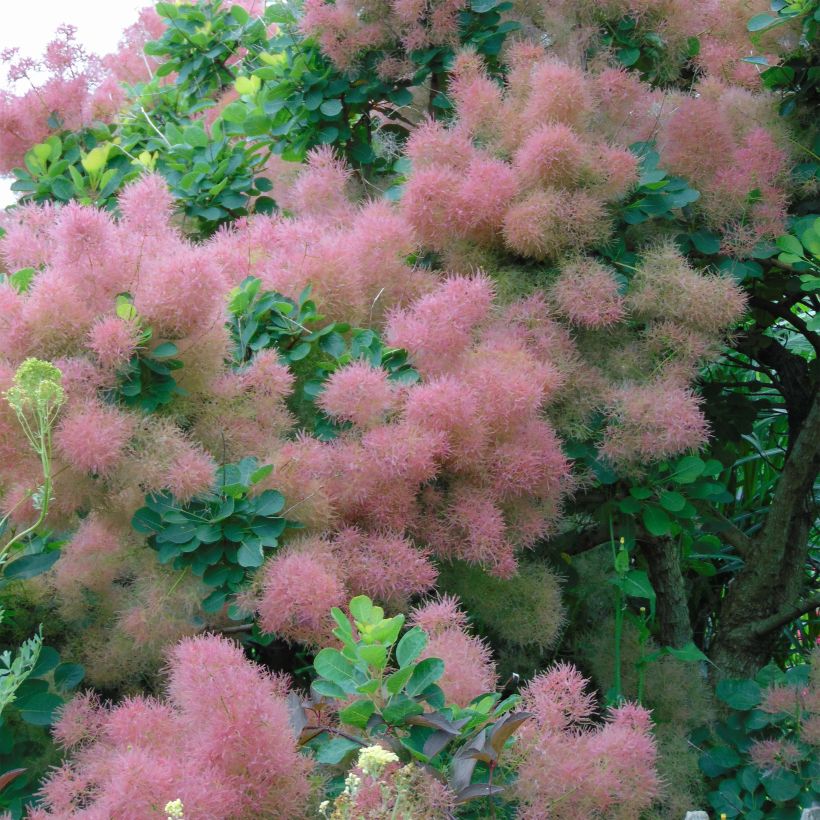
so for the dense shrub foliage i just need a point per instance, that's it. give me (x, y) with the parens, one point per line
(496, 318)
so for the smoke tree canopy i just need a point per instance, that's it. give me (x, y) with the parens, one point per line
(438, 431)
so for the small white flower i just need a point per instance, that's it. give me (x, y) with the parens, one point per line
(175, 810)
(373, 759)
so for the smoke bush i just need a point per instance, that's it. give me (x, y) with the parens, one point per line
(220, 742)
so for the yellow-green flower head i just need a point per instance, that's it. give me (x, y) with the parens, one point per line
(175, 810)
(373, 759)
(37, 386)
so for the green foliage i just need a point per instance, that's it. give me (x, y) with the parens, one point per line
(645, 51)
(198, 43)
(212, 175)
(35, 553)
(658, 196)
(221, 537)
(38, 684)
(83, 165)
(15, 669)
(797, 77)
(146, 382)
(391, 696)
(741, 789)
(262, 319)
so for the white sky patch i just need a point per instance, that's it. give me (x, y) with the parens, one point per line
(99, 25)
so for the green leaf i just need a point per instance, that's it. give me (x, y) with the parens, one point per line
(240, 15)
(31, 565)
(629, 56)
(739, 694)
(48, 659)
(330, 664)
(687, 470)
(298, 352)
(410, 646)
(362, 609)
(689, 653)
(718, 760)
(164, 351)
(790, 244)
(374, 655)
(386, 631)
(705, 241)
(655, 520)
(22, 278)
(38, 710)
(68, 676)
(335, 750)
(358, 713)
(760, 22)
(250, 554)
(396, 681)
(636, 584)
(235, 112)
(400, 708)
(269, 503)
(331, 108)
(781, 785)
(195, 135)
(328, 689)
(426, 672)
(342, 620)
(672, 501)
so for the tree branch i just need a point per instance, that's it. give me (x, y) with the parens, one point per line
(785, 616)
(797, 478)
(733, 535)
(784, 312)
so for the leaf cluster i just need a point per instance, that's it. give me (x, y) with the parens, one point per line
(386, 694)
(740, 788)
(221, 537)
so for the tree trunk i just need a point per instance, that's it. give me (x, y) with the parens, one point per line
(766, 593)
(672, 617)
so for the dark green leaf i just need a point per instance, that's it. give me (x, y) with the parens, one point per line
(655, 520)
(358, 713)
(30, 566)
(739, 694)
(68, 676)
(410, 646)
(38, 710)
(335, 750)
(426, 672)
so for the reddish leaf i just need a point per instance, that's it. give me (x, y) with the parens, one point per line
(6, 778)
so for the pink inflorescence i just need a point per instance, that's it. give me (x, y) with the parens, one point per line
(573, 767)
(221, 743)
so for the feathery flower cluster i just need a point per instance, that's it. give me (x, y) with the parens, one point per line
(220, 743)
(743, 177)
(571, 767)
(349, 28)
(540, 181)
(469, 670)
(301, 584)
(64, 99)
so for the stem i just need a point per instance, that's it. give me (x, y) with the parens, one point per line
(619, 618)
(42, 445)
(619, 625)
(333, 731)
